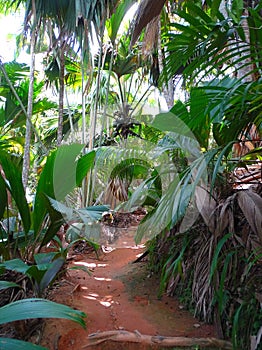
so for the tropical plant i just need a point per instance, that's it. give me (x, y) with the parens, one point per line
(31, 309)
(218, 59)
(43, 229)
(26, 238)
(41, 274)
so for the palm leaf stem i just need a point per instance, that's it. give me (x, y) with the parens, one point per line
(107, 93)
(141, 99)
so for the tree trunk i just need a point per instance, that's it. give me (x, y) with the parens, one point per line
(168, 88)
(26, 158)
(61, 95)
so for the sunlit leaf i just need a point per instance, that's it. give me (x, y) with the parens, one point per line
(38, 308)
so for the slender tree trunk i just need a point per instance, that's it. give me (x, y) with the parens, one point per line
(61, 95)
(90, 179)
(26, 158)
(70, 117)
(168, 88)
(243, 67)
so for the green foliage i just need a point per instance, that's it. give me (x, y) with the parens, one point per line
(41, 274)
(114, 22)
(39, 308)
(32, 309)
(219, 246)
(86, 215)
(50, 182)
(49, 185)
(223, 82)
(15, 79)
(84, 164)
(130, 169)
(173, 264)
(14, 185)
(204, 44)
(6, 284)
(10, 344)
(248, 310)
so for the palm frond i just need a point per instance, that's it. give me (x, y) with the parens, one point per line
(213, 45)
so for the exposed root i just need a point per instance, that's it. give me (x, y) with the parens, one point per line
(136, 337)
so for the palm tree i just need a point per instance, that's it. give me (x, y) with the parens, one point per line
(73, 23)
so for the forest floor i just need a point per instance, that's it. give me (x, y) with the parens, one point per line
(119, 295)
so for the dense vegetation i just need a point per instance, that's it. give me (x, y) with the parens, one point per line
(95, 110)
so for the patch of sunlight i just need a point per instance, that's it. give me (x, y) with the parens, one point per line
(106, 301)
(103, 279)
(89, 265)
(126, 244)
(95, 295)
(89, 297)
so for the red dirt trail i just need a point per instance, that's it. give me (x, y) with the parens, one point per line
(119, 295)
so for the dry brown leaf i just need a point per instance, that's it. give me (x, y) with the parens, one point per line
(226, 217)
(251, 205)
(147, 10)
(206, 206)
(151, 36)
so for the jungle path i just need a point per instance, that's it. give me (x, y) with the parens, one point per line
(119, 295)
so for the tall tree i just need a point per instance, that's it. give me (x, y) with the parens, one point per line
(26, 158)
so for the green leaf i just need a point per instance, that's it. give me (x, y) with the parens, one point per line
(84, 164)
(194, 22)
(36, 275)
(16, 265)
(57, 179)
(11, 344)
(131, 168)
(42, 259)
(65, 170)
(178, 131)
(215, 4)
(95, 212)
(218, 249)
(3, 196)
(237, 9)
(221, 292)
(67, 212)
(56, 219)
(15, 186)
(198, 12)
(51, 273)
(44, 186)
(6, 284)
(218, 162)
(113, 24)
(39, 308)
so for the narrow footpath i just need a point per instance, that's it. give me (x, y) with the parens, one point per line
(118, 296)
